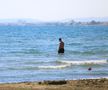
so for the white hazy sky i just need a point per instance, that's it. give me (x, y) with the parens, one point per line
(52, 10)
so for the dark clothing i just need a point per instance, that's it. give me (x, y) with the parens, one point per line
(61, 50)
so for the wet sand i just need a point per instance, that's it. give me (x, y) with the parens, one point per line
(85, 84)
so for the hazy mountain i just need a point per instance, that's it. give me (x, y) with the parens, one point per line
(26, 21)
(102, 19)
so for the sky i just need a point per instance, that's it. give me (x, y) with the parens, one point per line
(53, 10)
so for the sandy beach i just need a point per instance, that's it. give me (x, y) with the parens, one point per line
(85, 84)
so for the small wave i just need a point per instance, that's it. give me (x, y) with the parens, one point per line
(54, 67)
(84, 62)
(65, 64)
(74, 44)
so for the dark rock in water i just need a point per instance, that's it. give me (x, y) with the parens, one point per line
(89, 68)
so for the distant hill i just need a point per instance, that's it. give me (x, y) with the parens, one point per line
(76, 21)
(102, 19)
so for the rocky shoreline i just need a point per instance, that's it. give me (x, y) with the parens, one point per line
(85, 84)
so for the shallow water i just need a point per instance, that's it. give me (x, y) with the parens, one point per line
(29, 53)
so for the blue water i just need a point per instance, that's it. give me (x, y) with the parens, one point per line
(29, 53)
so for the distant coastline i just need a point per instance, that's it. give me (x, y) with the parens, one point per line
(33, 22)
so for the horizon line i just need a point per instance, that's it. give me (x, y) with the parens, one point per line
(66, 19)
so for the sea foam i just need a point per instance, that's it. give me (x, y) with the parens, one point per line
(84, 62)
(54, 67)
(65, 64)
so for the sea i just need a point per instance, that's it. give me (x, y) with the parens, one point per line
(29, 53)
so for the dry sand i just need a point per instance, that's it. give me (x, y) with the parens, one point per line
(87, 84)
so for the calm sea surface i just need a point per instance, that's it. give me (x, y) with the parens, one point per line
(29, 53)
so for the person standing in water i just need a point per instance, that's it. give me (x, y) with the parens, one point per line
(61, 46)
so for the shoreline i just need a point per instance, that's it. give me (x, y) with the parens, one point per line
(83, 84)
